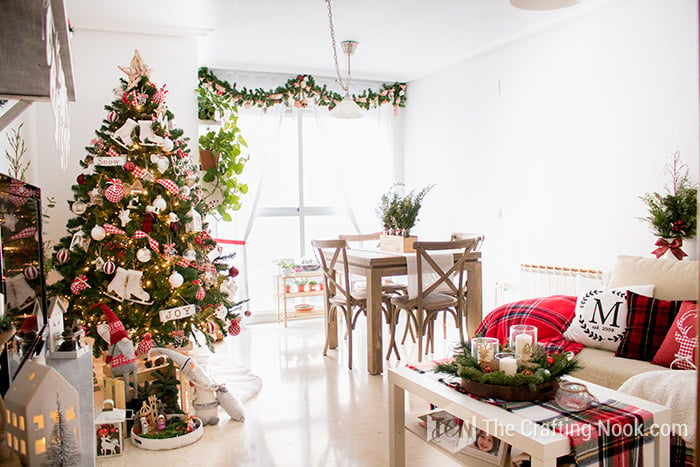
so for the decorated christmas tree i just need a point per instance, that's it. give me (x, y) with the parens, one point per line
(138, 242)
(63, 449)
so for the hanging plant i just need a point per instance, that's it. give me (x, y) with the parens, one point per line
(221, 179)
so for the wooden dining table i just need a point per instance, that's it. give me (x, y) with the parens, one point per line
(374, 265)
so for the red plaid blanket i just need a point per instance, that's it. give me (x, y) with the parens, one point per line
(550, 315)
(611, 433)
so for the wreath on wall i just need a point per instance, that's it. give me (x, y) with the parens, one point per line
(297, 92)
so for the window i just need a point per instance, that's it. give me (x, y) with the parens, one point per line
(38, 422)
(39, 446)
(316, 178)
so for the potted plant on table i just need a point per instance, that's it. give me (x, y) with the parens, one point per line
(399, 214)
(673, 215)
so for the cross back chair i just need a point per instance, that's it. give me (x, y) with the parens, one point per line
(372, 238)
(340, 294)
(430, 298)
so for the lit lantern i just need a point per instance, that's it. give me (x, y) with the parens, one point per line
(108, 430)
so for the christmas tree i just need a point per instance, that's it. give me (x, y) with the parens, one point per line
(63, 449)
(138, 242)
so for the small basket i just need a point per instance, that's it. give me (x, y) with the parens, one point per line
(544, 391)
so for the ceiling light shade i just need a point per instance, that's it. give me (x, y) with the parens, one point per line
(347, 108)
(541, 5)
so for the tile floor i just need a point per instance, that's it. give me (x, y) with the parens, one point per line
(311, 411)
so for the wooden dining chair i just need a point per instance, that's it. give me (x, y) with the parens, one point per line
(422, 309)
(371, 239)
(341, 297)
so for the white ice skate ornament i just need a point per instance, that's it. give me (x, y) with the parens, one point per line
(209, 393)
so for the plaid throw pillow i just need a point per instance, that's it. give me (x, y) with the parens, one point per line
(648, 322)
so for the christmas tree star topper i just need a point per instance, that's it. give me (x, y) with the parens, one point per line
(136, 70)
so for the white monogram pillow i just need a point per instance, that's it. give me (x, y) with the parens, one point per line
(601, 316)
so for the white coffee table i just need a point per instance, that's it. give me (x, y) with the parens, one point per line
(544, 446)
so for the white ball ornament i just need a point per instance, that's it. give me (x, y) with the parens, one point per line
(167, 145)
(163, 164)
(176, 280)
(98, 233)
(79, 208)
(143, 255)
(159, 203)
(190, 181)
(220, 312)
(185, 191)
(190, 254)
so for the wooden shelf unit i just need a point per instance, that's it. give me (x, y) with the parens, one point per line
(281, 278)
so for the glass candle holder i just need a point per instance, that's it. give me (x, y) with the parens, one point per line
(508, 362)
(484, 350)
(523, 340)
(574, 396)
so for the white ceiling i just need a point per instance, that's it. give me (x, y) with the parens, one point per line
(398, 39)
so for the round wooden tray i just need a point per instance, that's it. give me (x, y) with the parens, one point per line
(544, 391)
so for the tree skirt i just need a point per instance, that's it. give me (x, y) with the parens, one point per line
(238, 379)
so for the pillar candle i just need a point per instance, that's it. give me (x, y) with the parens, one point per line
(521, 340)
(508, 365)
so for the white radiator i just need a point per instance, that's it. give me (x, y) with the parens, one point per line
(541, 281)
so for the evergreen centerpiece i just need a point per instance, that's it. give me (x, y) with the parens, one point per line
(673, 216)
(533, 379)
(399, 214)
(138, 242)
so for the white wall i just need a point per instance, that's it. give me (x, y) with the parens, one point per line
(96, 55)
(545, 144)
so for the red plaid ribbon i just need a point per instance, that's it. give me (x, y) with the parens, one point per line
(151, 242)
(24, 233)
(183, 263)
(109, 228)
(113, 152)
(169, 185)
(142, 173)
(675, 247)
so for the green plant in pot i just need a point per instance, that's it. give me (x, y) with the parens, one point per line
(399, 212)
(673, 215)
(225, 145)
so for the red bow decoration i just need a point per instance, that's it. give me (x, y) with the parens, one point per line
(674, 246)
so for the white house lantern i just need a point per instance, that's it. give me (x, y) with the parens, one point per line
(30, 411)
(108, 430)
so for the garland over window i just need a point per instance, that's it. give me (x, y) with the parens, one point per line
(297, 91)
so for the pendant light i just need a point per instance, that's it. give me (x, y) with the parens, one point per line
(347, 108)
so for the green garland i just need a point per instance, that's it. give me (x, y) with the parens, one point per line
(541, 369)
(297, 91)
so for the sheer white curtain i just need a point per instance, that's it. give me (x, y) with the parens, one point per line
(309, 176)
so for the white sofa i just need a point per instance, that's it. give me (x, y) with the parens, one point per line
(673, 280)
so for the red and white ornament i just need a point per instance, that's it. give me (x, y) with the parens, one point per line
(234, 328)
(112, 116)
(114, 192)
(79, 284)
(31, 272)
(63, 255)
(200, 292)
(146, 344)
(109, 267)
